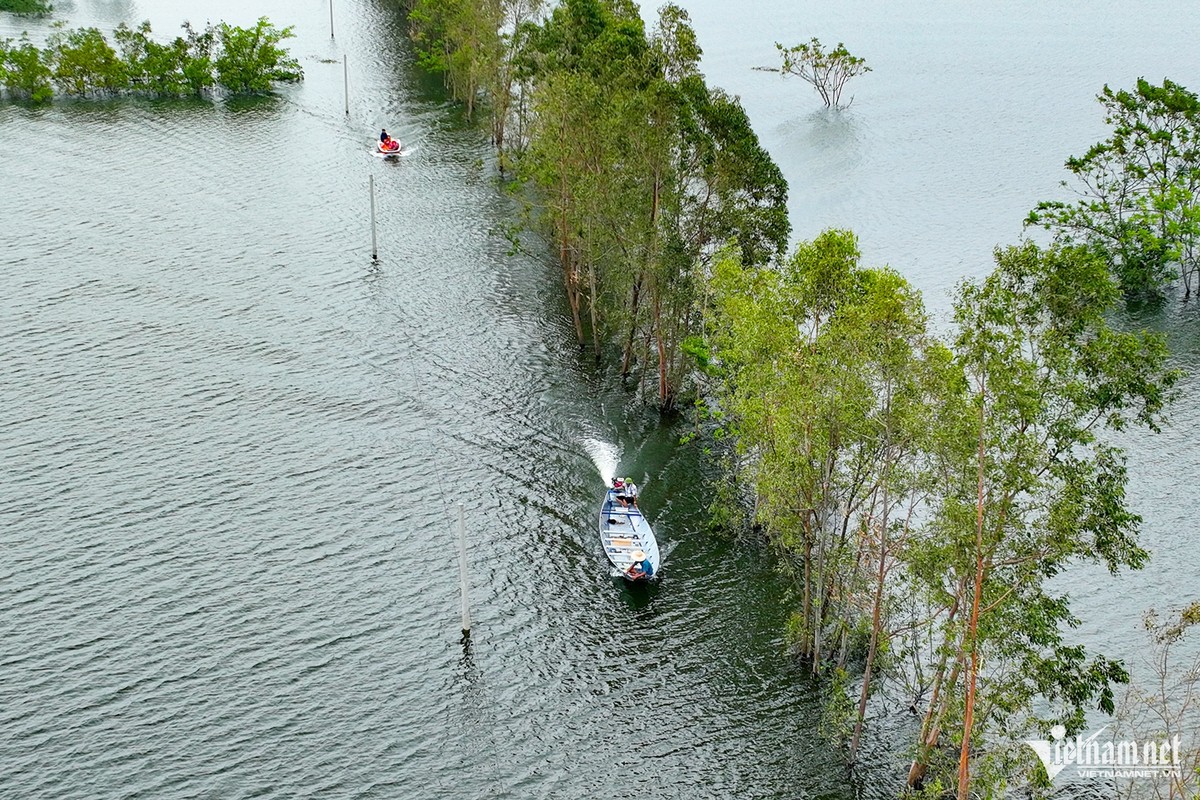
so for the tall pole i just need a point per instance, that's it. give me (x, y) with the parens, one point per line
(374, 245)
(462, 573)
(330, 19)
(346, 82)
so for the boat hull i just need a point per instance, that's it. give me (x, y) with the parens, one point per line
(624, 531)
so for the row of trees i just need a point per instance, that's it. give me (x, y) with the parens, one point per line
(625, 160)
(922, 491)
(83, 63)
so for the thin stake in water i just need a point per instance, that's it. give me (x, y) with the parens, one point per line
(462, 573)
(374, 243)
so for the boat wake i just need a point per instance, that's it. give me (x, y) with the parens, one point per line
(604, 456)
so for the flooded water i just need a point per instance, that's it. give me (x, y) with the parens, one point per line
(232, 446)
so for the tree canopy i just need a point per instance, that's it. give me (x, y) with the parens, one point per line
(1138, 208)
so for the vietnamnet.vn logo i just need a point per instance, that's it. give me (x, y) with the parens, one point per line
(1107, 759)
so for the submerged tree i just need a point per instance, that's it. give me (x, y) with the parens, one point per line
(641, 172)
(828, 72)
(1166, 707)
(1030, 486)
(85, 63)
(251, 60)
(831, 387)
(181, 67)
(81, 62)
(24, 70)
(1139, 205)
(31, 7)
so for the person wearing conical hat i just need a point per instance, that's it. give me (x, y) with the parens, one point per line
(640, 568)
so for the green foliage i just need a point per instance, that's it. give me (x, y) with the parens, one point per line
(462, 40)
(250, 59)
(644, 172)
(827, 376)
(828, 72)
(1031, 486)
(848, 416)
(1140, 204)
(744, 195)
(81, 62)
(85, 63)
(33, 7)
(25, 71)
(181, 67)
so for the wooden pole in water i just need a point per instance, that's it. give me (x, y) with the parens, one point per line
(330, 19)
(374, 244)
(346, 82)
(462, 573)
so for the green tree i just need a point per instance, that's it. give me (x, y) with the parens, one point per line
(828, 72)
(181, 67)
(32, 7)
(1030, 486)
(1140, 190)
(460, 39)
(829, 383)
(251, 60)
(85, 63)
(25, 71)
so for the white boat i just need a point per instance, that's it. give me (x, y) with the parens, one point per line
(623, 532)
(393, 151)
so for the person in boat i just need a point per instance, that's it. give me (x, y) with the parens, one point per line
(629, 492)
(640, 568)
(619, 491)
(386, 142)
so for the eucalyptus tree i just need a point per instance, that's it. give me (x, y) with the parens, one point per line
(631, 166)
(586, 63)
(1139, 205)
(1031, 485)
(462, 40)
(829, 385)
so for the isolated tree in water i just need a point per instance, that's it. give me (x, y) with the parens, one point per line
(1139, 190)
(826, 71)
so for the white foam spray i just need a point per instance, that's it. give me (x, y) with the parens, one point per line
(604, 456)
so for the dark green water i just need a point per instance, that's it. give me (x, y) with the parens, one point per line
(232, 447)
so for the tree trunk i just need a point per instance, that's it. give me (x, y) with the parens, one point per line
(818, 608)
(626, 360)
(592, 307)
(970, 638)
(872, 647)
(931, 725)
(661, 347)
(806, 646)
